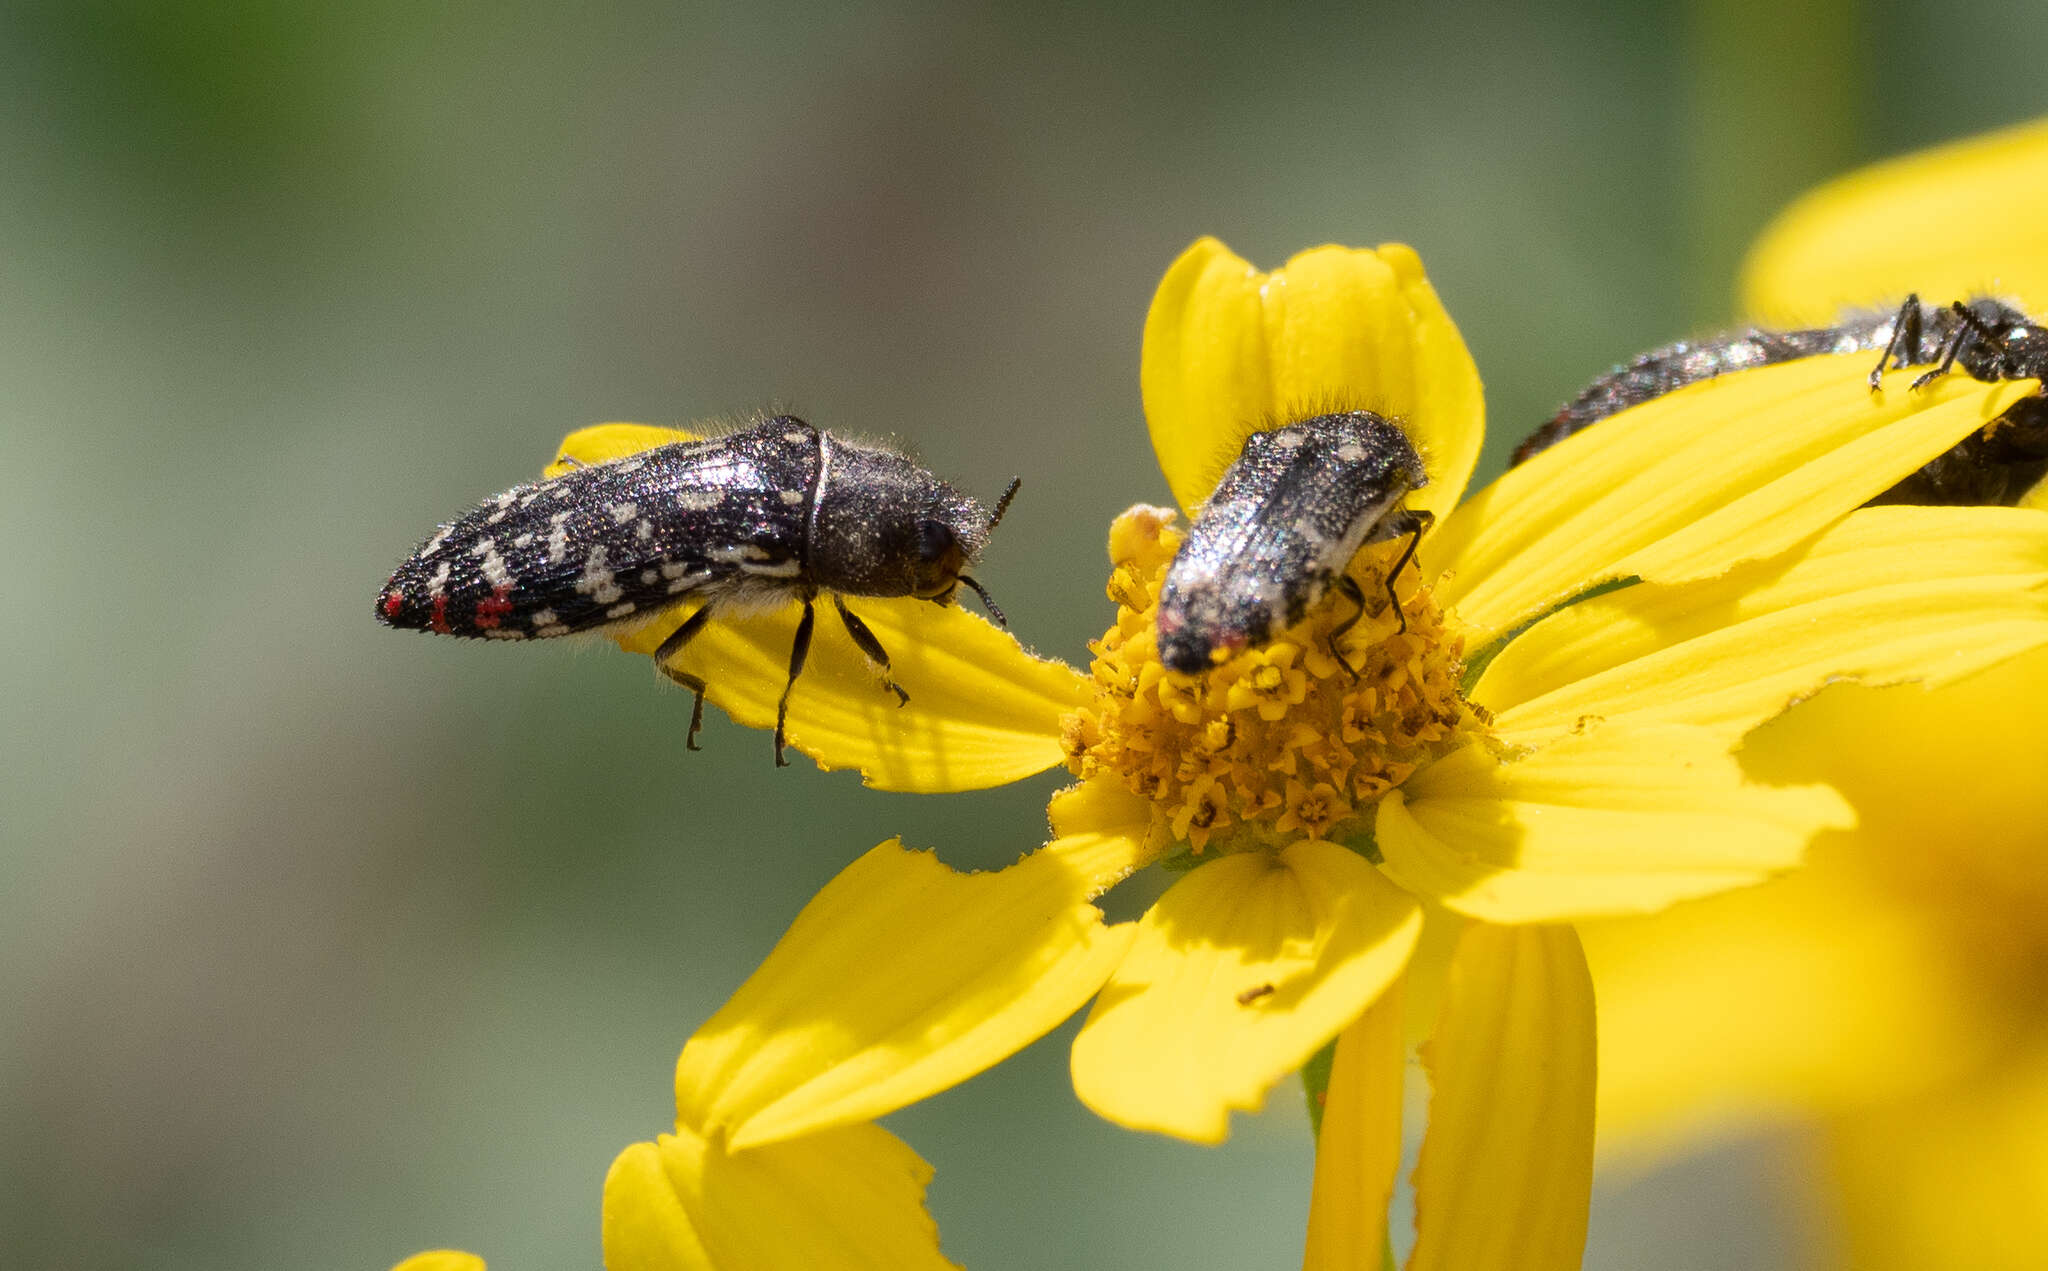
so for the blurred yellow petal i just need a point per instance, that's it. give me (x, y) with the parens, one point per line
(601, 443)
(1506, 1172)
(1814, 992)
(1965, 219)
(441, 1260)
(1240, 972)
(1888, 594)
(1958, 1179)
(982, 711)
(1618, 820)
(851, 1197)
(1358, 1151)
(901, 978)
(1230, 350)
(1686, 486)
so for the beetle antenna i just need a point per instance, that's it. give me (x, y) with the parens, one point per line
(986, 603)
(1002, 506)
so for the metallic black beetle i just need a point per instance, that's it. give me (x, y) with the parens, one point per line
(1280, 530)
(757, 518)
(1988, 338)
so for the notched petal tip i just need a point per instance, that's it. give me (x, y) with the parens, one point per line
(1244, 969)
(1229, 350)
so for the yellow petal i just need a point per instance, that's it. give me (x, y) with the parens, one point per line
(1815, 992)
(441, 1260)
(1692, 483)
(1230, 350)
(982, 711)
(901, 978)
(1954, 1180)
(1618, 820)
(1888, 594)
(1506, 1172)
(1240, 972)
(601, 443)
(1961, 220)
(849, 1197)
(1358, 1151)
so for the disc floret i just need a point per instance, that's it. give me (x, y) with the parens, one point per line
(1295, 739)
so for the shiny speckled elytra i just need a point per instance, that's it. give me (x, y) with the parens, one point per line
(1988, 338)
(756, 518)
(1280, 530)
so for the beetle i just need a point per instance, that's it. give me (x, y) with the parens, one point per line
(1989, 338)
(1280, 529)
(754, 519)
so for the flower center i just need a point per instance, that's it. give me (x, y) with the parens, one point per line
(1281, 742)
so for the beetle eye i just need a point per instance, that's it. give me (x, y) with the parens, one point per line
(934, 540)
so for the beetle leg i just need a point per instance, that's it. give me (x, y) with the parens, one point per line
(1417, 523)
(1904, 346)
(1347, 586)
(871, 647)
(799, 649)
(674, 645)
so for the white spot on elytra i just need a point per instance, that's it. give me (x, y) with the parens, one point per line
(620, 611)
(558, 538)
(434, 543)
(1351, 452)
(698, 500)
(553, 630)
(645, 530)
(597, 581)
(527, 500)
(524, 540)
(494, 565)
(795, 437)
(792, 497)
(673, 569)
(505, 633)
(623, 512)
(545, 618)
(439, 581)
(779, 569)
(649, 575)
(744, 554)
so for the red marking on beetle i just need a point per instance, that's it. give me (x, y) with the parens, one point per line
(439, 620)
(394, 604)
(490, 611)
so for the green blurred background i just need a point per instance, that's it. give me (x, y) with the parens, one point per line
(322, 943)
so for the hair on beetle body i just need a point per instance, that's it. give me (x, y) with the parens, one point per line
(1280, 529)
(775, 513)
(1989, 339)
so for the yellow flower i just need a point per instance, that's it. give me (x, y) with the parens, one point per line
(1588, 769)
(1892, 999)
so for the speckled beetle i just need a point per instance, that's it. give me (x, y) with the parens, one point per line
(1990, 339)
(753, 519)
(1280, 530)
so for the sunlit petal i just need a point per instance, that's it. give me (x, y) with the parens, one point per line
(1960, 220)
(1506, 1172)
(1229, 349)
(849, 1197)
(900, 979)
(1243, 970)
(1889, 594)
(1618, 820)
(1695, 482)
(1358, 1151)
(982, 710)
(441, 1260)
(602, 443)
